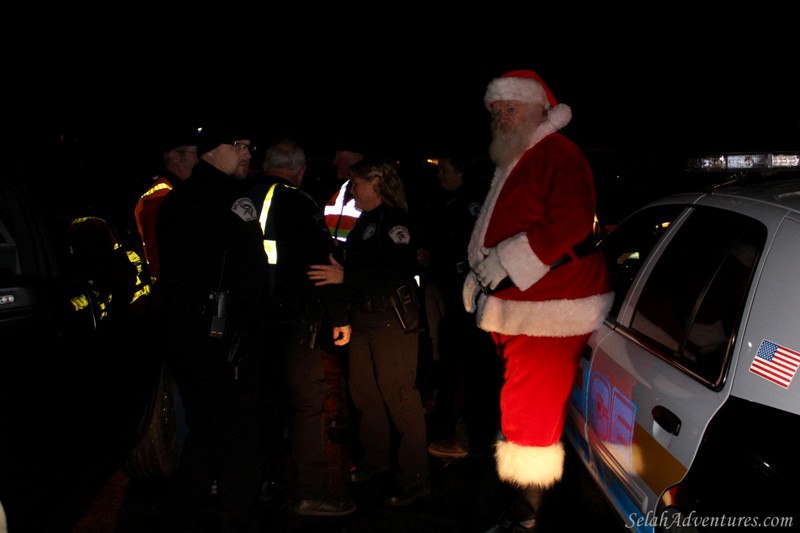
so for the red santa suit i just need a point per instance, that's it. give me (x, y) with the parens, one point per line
(537, 209)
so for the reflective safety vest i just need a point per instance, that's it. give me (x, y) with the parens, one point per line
(270, 246)
(341, 213)
(145, 215)
(91, 237)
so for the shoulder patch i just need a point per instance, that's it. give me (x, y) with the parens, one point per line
(400, 235)
(474, 209)
(244, 209)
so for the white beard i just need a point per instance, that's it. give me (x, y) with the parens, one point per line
(510, 142)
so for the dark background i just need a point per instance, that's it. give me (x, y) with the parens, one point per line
(88, 93)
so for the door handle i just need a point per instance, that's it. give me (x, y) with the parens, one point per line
(667, 419)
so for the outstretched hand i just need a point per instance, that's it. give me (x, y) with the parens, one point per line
(330, 274)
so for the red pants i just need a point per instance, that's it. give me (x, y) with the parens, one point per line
(539, 373)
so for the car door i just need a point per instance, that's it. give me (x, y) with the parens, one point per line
(72, 388)
(656, 372)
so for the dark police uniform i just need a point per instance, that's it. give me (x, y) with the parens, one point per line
(209, 241)
(293, 221)
(469, 371)
(380, 257)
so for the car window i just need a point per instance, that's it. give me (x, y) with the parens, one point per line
(627, 247)
(691, 303)
(8, 253)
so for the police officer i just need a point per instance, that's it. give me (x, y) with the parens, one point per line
(378, 270)
(179, 157)
(214, 279)
(340, 211)
(295, 236)
(341, 215)
(470, 374)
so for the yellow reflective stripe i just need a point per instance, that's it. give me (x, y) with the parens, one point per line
(157, 187)
(270, 246)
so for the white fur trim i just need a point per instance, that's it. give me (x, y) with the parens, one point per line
(552, 318)
(529, 466)
(520, 89)
(558, 117)
(523, 266)
(475, 247)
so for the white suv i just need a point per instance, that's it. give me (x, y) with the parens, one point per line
(686, 407)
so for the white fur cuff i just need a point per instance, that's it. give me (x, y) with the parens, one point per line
(530, 466)
(523, 266)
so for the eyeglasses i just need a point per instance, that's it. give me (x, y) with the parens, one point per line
(239, 145)
(508, 110)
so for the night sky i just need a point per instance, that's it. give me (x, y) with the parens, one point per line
(695, 84)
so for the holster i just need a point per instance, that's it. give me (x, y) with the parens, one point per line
(312, 313)
(405, 304)
(293, 311)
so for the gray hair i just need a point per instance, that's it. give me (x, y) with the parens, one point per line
(285, 154)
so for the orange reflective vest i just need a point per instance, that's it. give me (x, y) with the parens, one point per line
(341, 213)
(145, 214)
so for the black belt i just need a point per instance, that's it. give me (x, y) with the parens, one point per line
(582, 249)
(184, 304)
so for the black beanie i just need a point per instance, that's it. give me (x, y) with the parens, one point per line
(172, 137)
(212, 134)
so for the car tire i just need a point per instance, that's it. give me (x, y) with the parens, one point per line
(156, 454)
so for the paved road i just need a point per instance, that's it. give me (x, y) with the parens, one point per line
(466, 498)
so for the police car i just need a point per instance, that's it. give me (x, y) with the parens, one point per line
(80, 394)
(686, 408)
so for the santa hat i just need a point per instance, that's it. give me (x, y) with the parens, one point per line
(522, 85)
(527, 86)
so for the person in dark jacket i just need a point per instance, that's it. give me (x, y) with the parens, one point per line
(295, 237)
(215, 288)
(379, 265)
(466, 412)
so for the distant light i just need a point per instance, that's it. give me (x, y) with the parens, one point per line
(786, 160)
(745, 161)
(748, 161)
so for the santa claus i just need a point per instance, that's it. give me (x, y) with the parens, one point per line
(538, 282)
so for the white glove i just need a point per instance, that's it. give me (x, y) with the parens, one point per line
(469, 293)
(490, 272)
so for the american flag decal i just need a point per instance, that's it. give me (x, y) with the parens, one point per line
(775, 363)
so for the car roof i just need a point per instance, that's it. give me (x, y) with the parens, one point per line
(779, 191)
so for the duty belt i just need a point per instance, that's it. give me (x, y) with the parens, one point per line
(186, 305)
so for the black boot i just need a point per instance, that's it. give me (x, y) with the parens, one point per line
(521, 516)
(527, 502)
